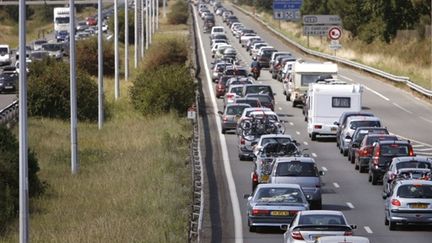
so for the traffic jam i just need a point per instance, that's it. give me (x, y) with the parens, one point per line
(285, 183)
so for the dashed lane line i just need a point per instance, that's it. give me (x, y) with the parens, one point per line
(375, 92)
(345, 77)
(305, 143)
(314, 155)
(291, 123)
(400, 107)
(297, 132)
(324, 169)
(368, 229)
(350, 205)
(425, 119)
(336, 185)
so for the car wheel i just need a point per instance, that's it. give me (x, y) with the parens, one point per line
(284, 92)
(252, 228)
(374, 179)
(223, 131)
(294, 104)
(356, 166)
(313, 136)
(305, 119)
(392, 225)
(370, 177)
(316, 205)
(288, 97)
(345, 152)
(241, 157)
(386, 222)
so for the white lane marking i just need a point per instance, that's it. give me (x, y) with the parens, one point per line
(345, 77)
(314, 155)
(400, 107)
(291, 123)
(260, 82)
(276, 102)
(423, 153)
(375, 92)
(350, 205)
(425, 119)
(324, 169)
(417, 146)
(226, 162)
(423, 149)
(368, 229)
(305, 143)
(412, 140)
(336, 185)
(280, 108)
(298, 133)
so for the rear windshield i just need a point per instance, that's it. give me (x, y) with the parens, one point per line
(236, 110)
(415, 191)
(374, 139)
(3, 50)
(413, 164)
(253, 103)
(218, 30)
(238, 72)
(297, 169)
(263, 99)
(322, 219)
(362, 133)
(237, 90)
(356, 124)
(274, 140)
(259, 90)
(279, 195)
(394, 150)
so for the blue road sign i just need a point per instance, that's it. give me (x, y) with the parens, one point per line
(287, 4)
(287, 9)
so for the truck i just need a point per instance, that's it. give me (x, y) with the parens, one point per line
(304, 73)
(5, 55)
(61, 23)
(326, 101)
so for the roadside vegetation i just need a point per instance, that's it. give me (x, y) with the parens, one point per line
(134, 183)
(370, 37)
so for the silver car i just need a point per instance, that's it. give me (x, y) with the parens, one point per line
(308, 226)
(230, 116)
(302, 171)
(274, 205)
(410, 202)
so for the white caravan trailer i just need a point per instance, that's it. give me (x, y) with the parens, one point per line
(327, 101)
(303, 74)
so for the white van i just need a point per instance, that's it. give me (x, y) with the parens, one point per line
(5, 58)
(327, 101)
(305, 73)
(217, 30)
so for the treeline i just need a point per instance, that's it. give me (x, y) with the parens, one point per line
(368, 20)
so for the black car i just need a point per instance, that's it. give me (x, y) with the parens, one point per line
(382, 154)
(8, 81)
(357, 138)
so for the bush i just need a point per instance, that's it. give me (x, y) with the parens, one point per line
(164, 89)
(179, 13)
(121, 22)
(49, 91)
(166, 50)
(9, 174)
(87, 56)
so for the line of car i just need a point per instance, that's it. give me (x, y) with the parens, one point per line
(285, 181)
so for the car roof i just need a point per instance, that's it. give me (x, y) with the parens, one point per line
(414, 181)
(292, 158)
(362, 118)
(275, 135)
(278, 185)
(412, 158)
(237, 104)
(321, 212)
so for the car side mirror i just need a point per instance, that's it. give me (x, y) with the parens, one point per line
(321, 173)
(336, 123)
(284, 227)
(353, 226)
(385, 195)
(246, 196)
(254, 143)
(348, 137)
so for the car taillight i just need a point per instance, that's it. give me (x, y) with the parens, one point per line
(317, 126)
(296, 235)
(396, 203)
(219, 86)
(225, 118)
(377, 152)
(230, 96)
(348, 233)
(242, 141)
(318, 186)
(260, 212)
(411, 151)
(254, 177)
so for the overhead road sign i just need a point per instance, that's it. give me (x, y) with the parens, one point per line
(334, 33)
(287, 9)
(322, 20)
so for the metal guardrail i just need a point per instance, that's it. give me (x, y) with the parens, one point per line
(389, 76)
(9, 113)
(195, 156)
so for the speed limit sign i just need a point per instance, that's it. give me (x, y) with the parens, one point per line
(335, 33)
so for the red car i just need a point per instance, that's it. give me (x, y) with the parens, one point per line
(90, 21)
(221, 85)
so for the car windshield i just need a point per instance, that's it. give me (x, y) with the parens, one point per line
(218, 30)
(413, 164)
(394, 149)
(279, 195)
(322, 219)
(265, 99)
(236, 110)
(62, 20)
(415, 191)
(297, 168)
(356, 124)
(52, 47)
(279, 149)
(237, 72)
(40, 42)
(3, 51)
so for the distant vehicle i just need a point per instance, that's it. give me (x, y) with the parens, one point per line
(90, 21)
(326, 103)
(230, 116)
(61, 21)
(357, 138)
(410, 202)
(37, 44)
(308, 226)
(81, 26)
(28, 61)
(274, 205)
(38, 55)
(343, 118)
(62, 35)
(8, 80)
(55, 50)
(5, 55)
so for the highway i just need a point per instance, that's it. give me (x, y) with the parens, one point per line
(228, 178)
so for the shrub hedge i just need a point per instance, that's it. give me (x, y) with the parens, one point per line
(179, 13)
(166, 50)
(87, 56)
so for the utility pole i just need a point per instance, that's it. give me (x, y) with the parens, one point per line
(73, 90)
(153, 16)
(126, 41)
(150, 21)
(157, 14)
(147, 37)
(100, 69)
(136, 33)
(23, 147)
(116, 52)
(164, 8)
(142, 28)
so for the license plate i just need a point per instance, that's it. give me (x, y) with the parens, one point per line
(279, 213)
(333, 129)
(8, 87)
(418, 205)
(264, 178)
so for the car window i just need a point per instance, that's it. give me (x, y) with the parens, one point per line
(274, 140)
(415, 191)
(394, 149)
(321, 219)
(279, 195)
(413, 164)
(362, 133)
(237, 90)
(235, 110)
(258, 90)
(296, 169)
(374, 139)
(356, 124)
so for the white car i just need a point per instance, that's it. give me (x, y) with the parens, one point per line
(217, 30)
(271, 138)
(5, 58)
(28, 61)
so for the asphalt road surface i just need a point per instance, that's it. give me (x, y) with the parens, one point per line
(344, 188)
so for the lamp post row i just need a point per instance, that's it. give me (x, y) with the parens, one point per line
(151, 8)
